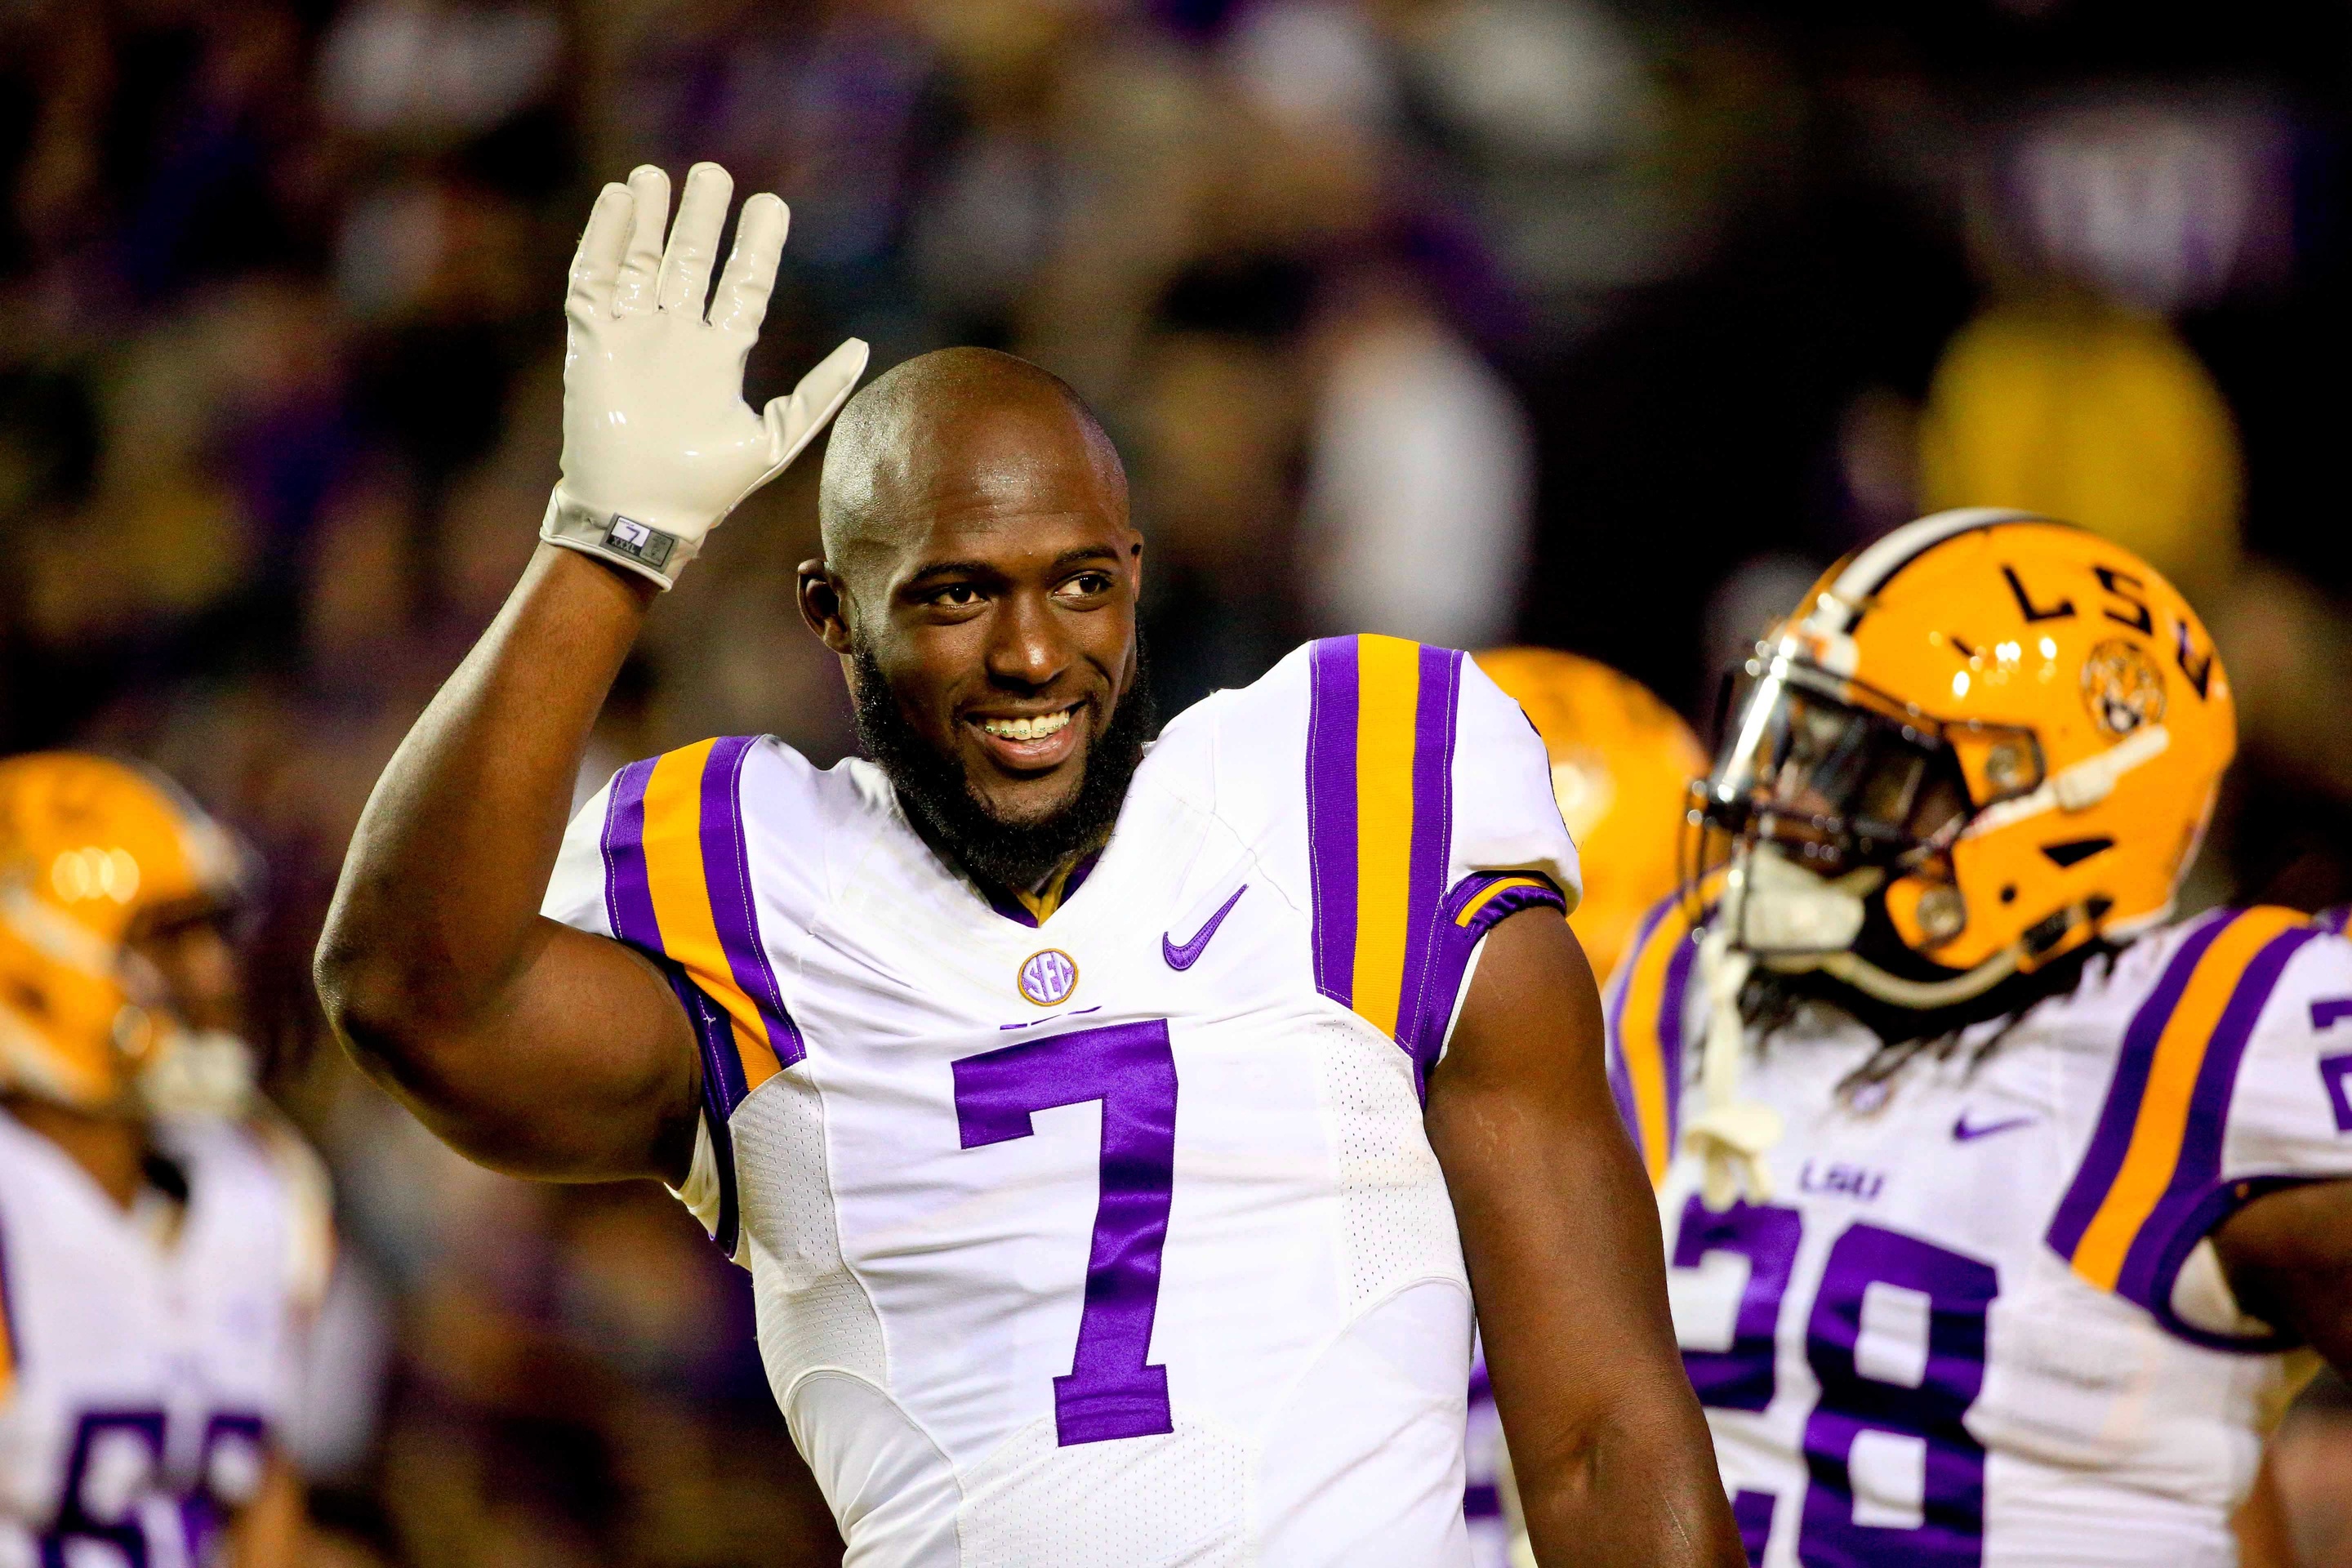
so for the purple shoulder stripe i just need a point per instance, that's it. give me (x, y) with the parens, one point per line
(12, 1348)
(727, 871)
(1332, 683)
(2111, 1138)
(2196, 1199)
(1613, 1017)
(1433, 729)
(1672, 1001)
(628, 898)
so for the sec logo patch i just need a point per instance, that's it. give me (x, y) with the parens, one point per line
(1048, 977)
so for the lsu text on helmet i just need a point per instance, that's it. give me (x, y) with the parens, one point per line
(1621, 765)
(90, 851)
(1979, 742)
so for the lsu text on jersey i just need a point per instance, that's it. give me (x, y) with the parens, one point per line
(1974, 1322)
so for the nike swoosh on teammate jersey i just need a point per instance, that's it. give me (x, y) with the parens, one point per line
(1188, 954)
(1962, 1133)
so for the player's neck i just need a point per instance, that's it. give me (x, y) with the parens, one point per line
(112, 1149)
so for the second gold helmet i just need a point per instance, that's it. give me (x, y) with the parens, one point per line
(88, 848)
(1978, 745)
(1622, 761)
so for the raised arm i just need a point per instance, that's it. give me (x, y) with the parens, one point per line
(1610, 1450)
(525, 1044)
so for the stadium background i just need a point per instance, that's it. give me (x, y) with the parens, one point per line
(1597, 324)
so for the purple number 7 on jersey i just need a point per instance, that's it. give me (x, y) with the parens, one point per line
(1110, 1391)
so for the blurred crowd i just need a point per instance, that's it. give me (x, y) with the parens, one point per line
(1597, 323)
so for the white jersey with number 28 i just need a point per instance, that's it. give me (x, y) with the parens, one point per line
(1974, 1323)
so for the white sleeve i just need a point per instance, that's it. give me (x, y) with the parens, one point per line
(1506, 817)
(2290, 1116)
(575, 890)
(2252, 1091)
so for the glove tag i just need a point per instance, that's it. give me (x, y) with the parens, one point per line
(639, 542)
(624, 541)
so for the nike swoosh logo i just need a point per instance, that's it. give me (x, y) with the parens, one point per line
(1188, 954)
(1964, 1134)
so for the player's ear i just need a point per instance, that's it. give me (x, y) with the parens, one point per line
(824, 606)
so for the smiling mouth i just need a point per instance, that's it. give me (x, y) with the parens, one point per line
(1030, 728)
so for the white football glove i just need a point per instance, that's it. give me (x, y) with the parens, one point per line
(659, 444)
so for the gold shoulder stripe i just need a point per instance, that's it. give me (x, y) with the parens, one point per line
(2174, 1062)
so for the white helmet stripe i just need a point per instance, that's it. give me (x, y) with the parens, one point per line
(1870, 571)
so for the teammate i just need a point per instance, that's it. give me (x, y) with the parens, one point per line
(161, 1250)
(1621, 763)
(1997, 1202)
(1114, 1140)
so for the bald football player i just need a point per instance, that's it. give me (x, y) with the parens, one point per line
(1117, 1135)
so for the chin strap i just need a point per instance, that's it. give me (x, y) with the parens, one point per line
(1730, 1134)
(1922, 994)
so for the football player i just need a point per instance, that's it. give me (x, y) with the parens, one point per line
(1114, 1140)
(1621, 763)
(161, 1250)
(1997, 1202)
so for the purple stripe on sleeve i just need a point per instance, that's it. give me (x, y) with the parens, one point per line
(628, 898)
(1621, 1077)
(722, 1091)
(1332, 677)
(1432, 827)
(2189, 1224)
(2111, 1139)
(8, 1318)
(2199, 1168)
(727, 874)
(1670, 1033)
(1423, 1033)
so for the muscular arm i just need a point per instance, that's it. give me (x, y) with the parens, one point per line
(525, 1044)
(2288, 1257)
(1612, 1453)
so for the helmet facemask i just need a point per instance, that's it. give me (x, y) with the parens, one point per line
(1827, 795)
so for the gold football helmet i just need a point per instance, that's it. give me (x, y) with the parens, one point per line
(1979, 743)
(90, 851)
(1621, 763)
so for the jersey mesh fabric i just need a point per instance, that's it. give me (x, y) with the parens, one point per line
(1400, 1227)
(1178, 1498)
(812, 1312)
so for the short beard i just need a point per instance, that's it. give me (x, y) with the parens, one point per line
(938, 797)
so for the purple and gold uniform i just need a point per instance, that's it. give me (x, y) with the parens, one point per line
(1102, 1228)
(147, 1351)
(149, 1355)
(1978, 1320)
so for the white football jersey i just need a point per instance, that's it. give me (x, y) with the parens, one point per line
(1973, 1322)
(146, 1359)
(1113, 1236)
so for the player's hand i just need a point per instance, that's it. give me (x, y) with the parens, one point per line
(659, 444)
